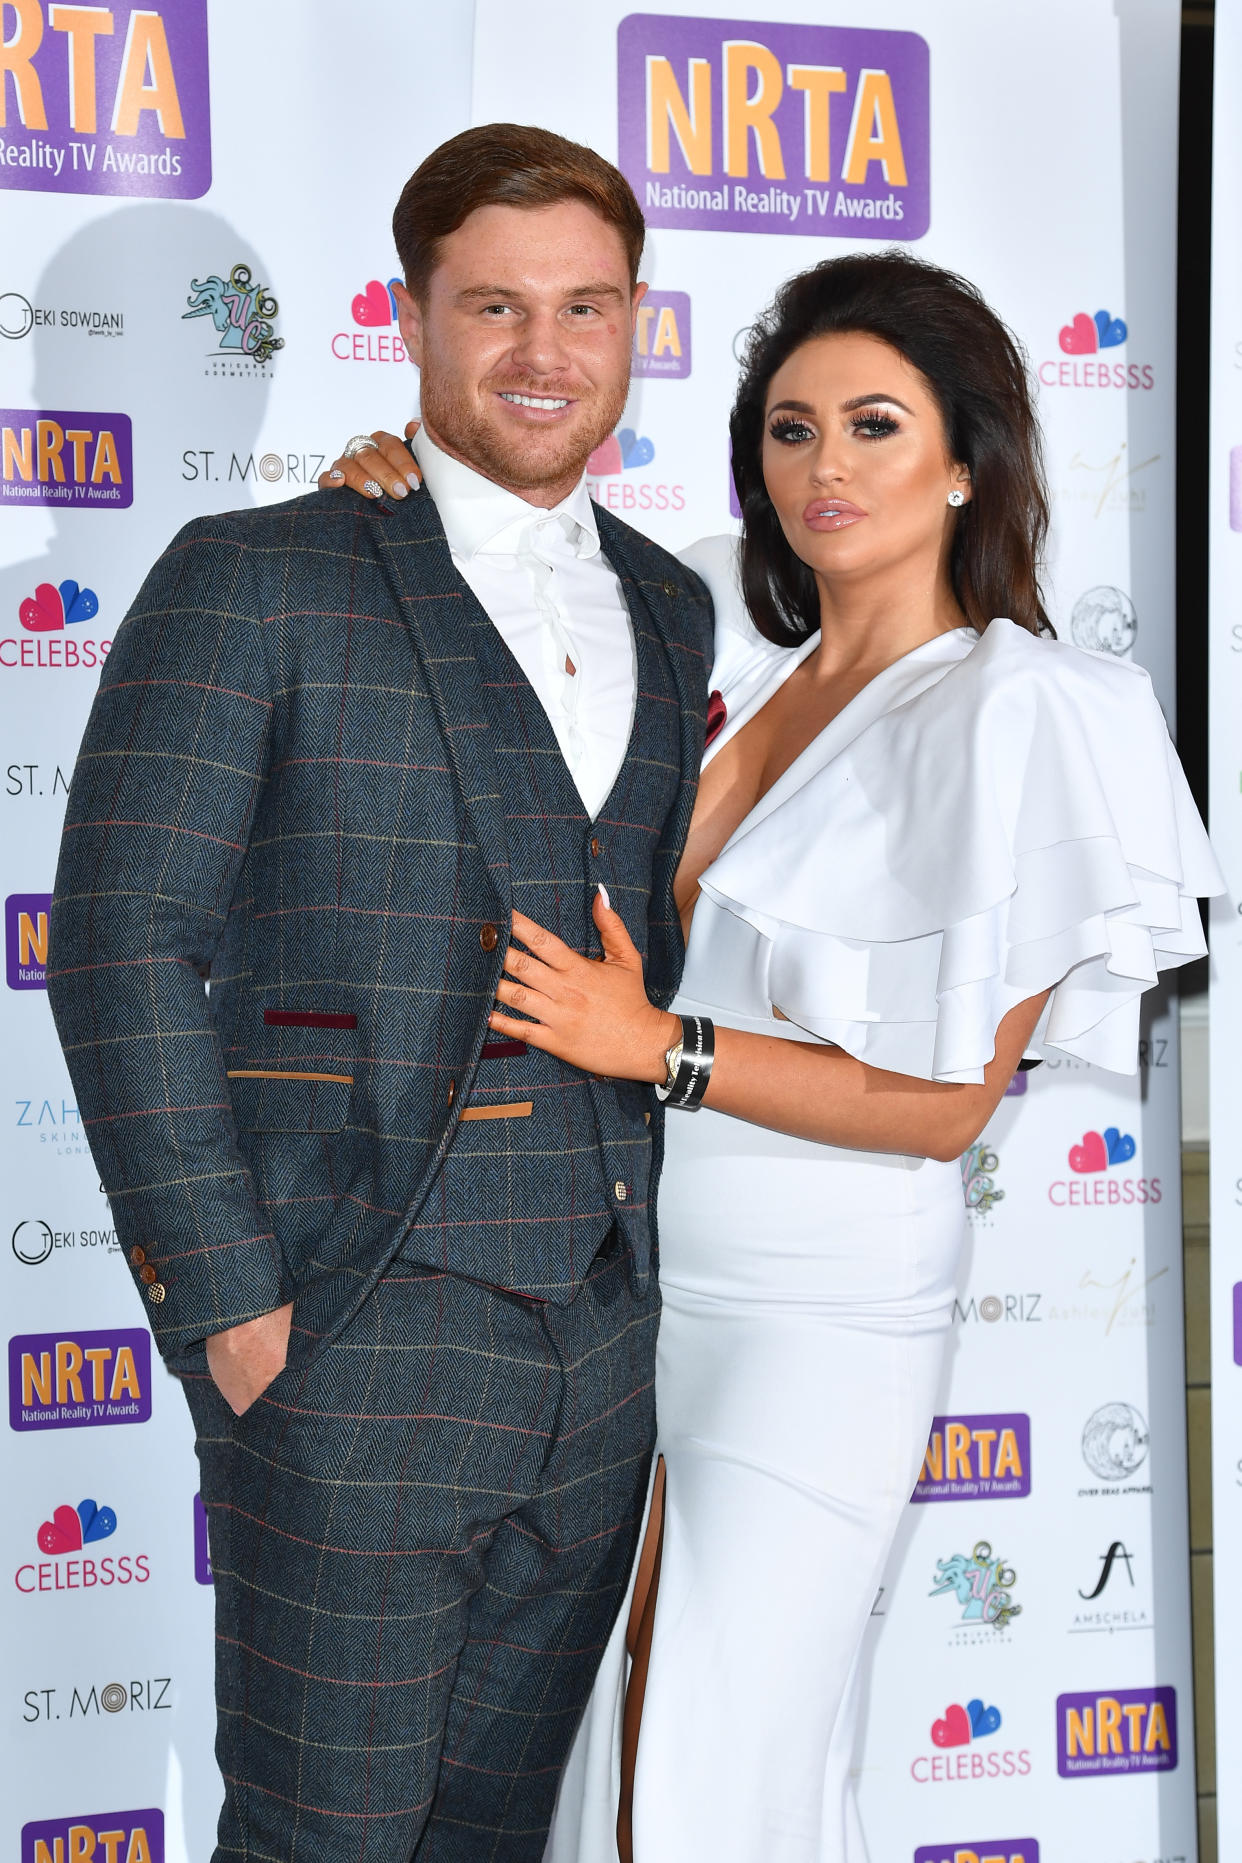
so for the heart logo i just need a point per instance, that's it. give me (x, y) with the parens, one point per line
(606, 459)
(98, 1523)
(62, 1533)
(1080, 338)
(373, 306)
(982, 1720)
(1091, 1155)
(954, 1730)
(634, 451)
(79, 604)
(44, 611)
(1111, 330)
(1120, 1145)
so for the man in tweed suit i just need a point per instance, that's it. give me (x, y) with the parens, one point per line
(404, 1269)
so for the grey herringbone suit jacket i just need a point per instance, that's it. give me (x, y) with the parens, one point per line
(285, 784)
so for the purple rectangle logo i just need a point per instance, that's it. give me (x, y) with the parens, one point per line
(202, 1551)
(106, 100)
(120, 1836)
(1118, 1730)
(985, 1458)
(25, 940)
(743, 126)
(994, 1850)
(51, 457)
(662, 335)
(73, 1380)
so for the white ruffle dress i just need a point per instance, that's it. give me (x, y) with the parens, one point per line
(991, 817)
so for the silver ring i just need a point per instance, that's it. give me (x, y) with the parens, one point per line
(361, 443)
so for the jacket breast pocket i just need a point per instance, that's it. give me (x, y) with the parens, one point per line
(288, 1099)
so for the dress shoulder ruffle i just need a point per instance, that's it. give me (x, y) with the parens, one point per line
(1011, 820)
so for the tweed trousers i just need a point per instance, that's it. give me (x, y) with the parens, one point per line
(440, 1515)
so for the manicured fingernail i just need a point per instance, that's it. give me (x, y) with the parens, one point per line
(336, 473)
(399, 490)
(413, 481)
(373, 489)
(603, 893)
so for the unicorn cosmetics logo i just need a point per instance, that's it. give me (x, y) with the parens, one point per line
(978, 1178)
(244, 314)
(982, 1585)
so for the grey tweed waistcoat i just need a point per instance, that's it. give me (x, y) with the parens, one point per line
(544, 1158)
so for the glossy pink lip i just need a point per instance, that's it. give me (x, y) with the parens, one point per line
(831, 514)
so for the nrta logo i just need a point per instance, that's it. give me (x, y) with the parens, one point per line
(25, 939)
(50, 609)
(96, 1837)
(59, 1383)
(133, 117)
(51, 457)
(993, 1850)
(1128, 1730)
(977, 1458)
(724, 123)
(661, 335)
(982, 1585)
(244, 315)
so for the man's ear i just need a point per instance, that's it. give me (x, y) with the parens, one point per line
(410, 320)
(640, 292)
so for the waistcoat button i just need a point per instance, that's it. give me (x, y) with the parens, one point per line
(671, 590)
(595, 845)
(452, 1091)
(489, 937)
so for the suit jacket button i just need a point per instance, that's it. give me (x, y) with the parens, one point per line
(489, 937)
(156, 1292)
(619, 1191)
(137, 1256)
(671, 590)
(452, 1091)
(148, 1274)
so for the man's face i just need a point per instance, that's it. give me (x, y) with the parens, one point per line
(524, 341)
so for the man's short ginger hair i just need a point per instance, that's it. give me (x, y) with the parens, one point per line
(506, 165)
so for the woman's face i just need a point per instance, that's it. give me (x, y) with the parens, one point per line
(855, 461)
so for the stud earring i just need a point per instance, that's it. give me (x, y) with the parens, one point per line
(957, 498)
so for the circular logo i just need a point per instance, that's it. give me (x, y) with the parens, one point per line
(32, 1242)
(271, 467)
(113, 1697)
(1114, 1441)
(741, 341)
(1104, 620)
(990, 1309)
(16, 315)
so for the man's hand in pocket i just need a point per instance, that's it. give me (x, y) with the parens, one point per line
(244, 1360)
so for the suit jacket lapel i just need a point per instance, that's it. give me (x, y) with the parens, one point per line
(439, 608)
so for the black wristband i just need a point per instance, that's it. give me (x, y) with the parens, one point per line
(698, 1052)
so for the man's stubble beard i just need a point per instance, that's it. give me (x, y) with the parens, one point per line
(529, 464)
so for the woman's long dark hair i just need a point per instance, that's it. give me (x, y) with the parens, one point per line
(977, 374)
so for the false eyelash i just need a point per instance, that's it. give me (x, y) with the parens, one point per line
(873, 417)
(781, 429)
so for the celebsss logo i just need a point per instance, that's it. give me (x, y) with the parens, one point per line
(1100, 1180)
(96, 1837)
(69, 1542)
(961, 1728)
(1118, 1731)
(26, 918)
(106, 100)
(53, 623)
(609, 482)
(376, 337)
(1085, 341)
(746, 126)
(662, 335)
(977, 1458)
(63, 1381)
(981, 1850)
(52, 457)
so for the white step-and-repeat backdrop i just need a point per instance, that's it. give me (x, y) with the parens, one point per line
(1225, 783)
(194, 308)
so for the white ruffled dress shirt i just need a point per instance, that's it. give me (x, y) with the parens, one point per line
(556, 601)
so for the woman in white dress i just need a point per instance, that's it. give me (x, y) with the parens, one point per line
(928, 842)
